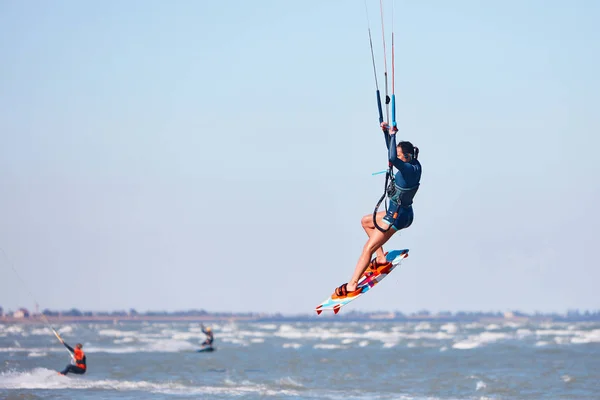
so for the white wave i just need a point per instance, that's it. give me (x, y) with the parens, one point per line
(289, 332)
(554, 332)
(267, 327)
(492, 327)
(289, 382)
(65, 329)
(148, 346)
(363, 343)
(169, 346)
(567, 379)
(480, 385)
(42, 378)
(30, 349)
(117, 333)
(423, 326)
(449, 328)
(586, 337)
(14, 330)
(562, 340)
(348, 341)
(37, 354)
(522, 333)
(113, 350)
(328, 346)
(318, 333)
(489, 337)
(513, 325)
(253, 334)
(541, 343)
(292, 345)
(474, 341)
(124, 340)
(187, 335)
(257, 340)
(235, 341)
(466, 345)
(41, 332)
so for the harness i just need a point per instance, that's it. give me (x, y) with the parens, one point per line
(401, 197)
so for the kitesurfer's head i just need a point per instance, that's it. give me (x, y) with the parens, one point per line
(406, 151)
(208, 329)
(79, 345)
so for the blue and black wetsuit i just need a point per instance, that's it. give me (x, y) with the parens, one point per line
(406, 183)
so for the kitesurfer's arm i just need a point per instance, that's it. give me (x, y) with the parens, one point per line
(393, 156)
(388, 136)
(392, 149)
(386, 133)
(68, 347)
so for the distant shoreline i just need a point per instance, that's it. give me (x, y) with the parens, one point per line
(138, 318)
(265, 318)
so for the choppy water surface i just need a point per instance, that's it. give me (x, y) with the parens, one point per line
(316, 360)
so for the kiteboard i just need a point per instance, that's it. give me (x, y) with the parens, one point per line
(369, 279)
(205, 349)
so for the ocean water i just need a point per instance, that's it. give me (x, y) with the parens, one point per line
(306, 360)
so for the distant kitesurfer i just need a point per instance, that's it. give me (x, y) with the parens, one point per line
(399, 216)
(209, 336)
(78, 363)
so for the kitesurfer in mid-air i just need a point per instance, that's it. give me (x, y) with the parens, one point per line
(78, 363)
(399, 216)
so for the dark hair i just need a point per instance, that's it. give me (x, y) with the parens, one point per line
(409, 149)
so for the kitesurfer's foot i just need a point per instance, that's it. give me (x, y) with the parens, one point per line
(343, 290)
(375, 263)
(351, 286)
(381, 261)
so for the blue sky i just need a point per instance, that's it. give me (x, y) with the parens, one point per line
(218, 155)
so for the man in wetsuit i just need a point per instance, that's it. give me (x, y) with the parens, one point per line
(78, 364)
(209, 336)
(400, 213)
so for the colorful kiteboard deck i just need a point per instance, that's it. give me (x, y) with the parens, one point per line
(366, 283)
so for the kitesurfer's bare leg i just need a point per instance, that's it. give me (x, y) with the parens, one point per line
(370, 229)
(376, 240)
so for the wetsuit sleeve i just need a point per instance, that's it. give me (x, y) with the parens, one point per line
(392, 151)
(69, 347)
(393, 157)
(386, 135)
